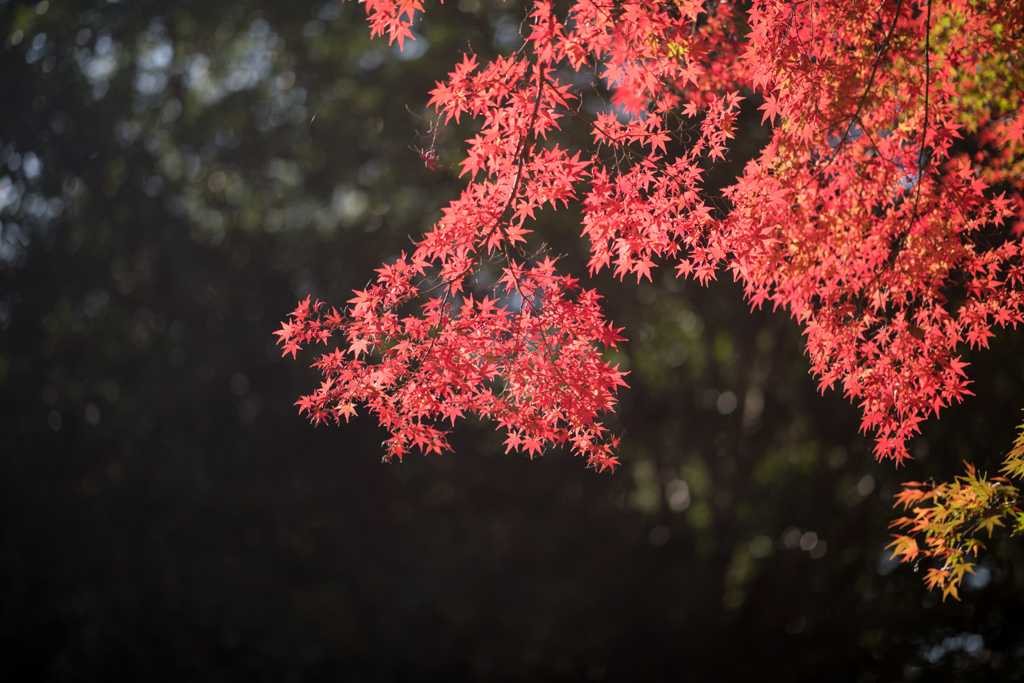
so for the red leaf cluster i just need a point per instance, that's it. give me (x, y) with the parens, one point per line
(864, 216)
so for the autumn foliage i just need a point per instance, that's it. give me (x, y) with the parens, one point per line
(885, 214)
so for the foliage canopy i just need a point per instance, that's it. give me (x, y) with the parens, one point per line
(884, 214)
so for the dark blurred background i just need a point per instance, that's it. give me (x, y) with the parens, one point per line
(174, 176)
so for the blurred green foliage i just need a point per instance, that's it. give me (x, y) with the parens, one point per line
(173, 177)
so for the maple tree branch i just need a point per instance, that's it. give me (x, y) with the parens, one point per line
(882, 53)
(924, 156)
(444, 302)
(524, 144)
(521, 152)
